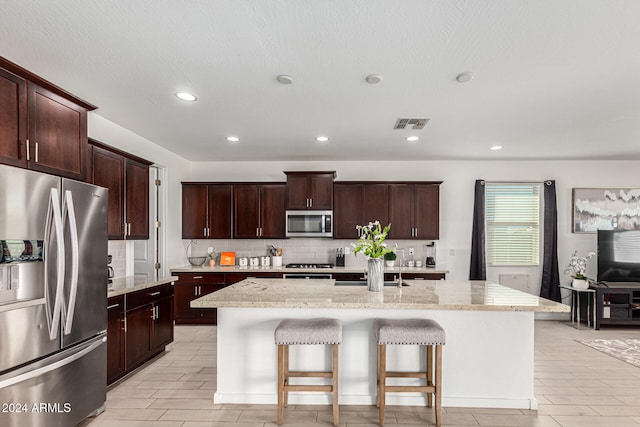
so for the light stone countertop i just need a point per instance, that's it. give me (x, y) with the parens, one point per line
(125, 285)
(416, 295)
(237, 269)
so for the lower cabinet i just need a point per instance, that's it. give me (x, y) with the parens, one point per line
(140, 325)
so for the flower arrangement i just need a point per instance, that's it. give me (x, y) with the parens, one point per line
(371, 242)
(578, 265)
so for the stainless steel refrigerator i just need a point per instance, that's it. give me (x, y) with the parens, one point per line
(53, 299)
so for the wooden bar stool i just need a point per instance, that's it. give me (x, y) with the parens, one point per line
(307, 332)
(425, 332)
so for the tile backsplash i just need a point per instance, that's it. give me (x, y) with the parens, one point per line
(118, 251)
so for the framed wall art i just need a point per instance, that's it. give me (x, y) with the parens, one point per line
(605, 209)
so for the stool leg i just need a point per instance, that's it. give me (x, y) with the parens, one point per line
(280, 381)
(378, 376)
(382, 379)
(438, 393)
(429, 374)
(285, 382)
(334, 389)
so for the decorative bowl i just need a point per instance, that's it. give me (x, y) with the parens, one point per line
(197, 261)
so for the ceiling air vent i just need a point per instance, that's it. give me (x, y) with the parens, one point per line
(415, 124)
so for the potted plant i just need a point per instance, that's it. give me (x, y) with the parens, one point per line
(576, 268)
(390, 259)
(372, 244)
(212, 259)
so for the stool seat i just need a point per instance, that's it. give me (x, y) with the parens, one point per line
(409, 332)
(308, 332)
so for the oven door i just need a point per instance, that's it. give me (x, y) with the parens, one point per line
(309, 224)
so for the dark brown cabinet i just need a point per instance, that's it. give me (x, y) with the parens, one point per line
(615, 304)
(414, 211)
(206, 211)
(13, 119)
(358, 204)
(259, 211)
(191, 286)
(115, 338)
(310, 190)
(128, 182)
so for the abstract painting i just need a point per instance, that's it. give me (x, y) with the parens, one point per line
(605, 209)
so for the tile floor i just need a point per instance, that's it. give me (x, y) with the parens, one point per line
(575, 386)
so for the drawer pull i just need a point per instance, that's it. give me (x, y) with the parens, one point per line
(154, 294)
(112, 306)
(197, 277)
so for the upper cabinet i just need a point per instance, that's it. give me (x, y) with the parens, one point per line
(358, 204)
(310, 190)
(127, 179)
(42, 127)
(206, 211)
(414, 211)
(259, 211)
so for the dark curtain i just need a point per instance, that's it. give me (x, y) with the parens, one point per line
(550, 273)
(478, 269)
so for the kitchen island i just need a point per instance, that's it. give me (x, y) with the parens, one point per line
(487, 360)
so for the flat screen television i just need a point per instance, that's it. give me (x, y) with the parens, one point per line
(618, 256)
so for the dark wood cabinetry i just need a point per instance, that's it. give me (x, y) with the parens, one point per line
(310, 190)
(259, 211)
(191, 286)
(206, 211)
(127, 179)
(13, 119)
(115, 338)
(616, 304)
(414, 211)
(358, 204)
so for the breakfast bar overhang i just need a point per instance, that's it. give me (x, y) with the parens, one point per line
(487, 360)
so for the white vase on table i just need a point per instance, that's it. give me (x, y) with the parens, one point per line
(580, 284)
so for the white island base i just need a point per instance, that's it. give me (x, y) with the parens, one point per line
(487, 359)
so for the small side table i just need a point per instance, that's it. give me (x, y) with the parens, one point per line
(575, 306)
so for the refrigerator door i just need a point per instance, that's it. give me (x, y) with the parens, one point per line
(58, 391)
(84, 212)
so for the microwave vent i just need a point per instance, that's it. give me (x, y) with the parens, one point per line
(415, 124)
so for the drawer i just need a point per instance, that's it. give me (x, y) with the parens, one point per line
(199, 278)
(149, 295)
(115, 304)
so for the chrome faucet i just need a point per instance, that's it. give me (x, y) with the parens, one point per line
(401, 263)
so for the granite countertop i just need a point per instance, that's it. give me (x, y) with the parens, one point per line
(125, 285)
(238, 269)
(416, 295)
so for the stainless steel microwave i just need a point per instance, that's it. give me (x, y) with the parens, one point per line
(309, 224)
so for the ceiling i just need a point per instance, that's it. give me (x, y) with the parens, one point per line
(552, 79)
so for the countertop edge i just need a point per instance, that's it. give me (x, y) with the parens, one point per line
(237, 269)
(126, 285)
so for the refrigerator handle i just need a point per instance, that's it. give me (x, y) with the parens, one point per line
(54, 320)
(70, 212)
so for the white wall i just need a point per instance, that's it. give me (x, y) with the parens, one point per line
(178, 169)
(456, 195)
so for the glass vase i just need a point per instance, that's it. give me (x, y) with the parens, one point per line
(375, 274)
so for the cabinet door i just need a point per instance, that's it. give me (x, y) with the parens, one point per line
(13, 119)
(108, 172)
(194, 211)
(401, 211)
(375, 203)
(162, 332)
(347, 212)
(138, 336)
(246, 205)
(297, 192)
(321, 191)
(115, 339)
(57, 134)
(272, 211)
(184, 293)
(207, 315)
(219, 211)
(427, 211)
(137, 194)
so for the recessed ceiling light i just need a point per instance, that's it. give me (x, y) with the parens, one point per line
(464, 77)
(185, 96)
(284, 79)
(496, 147)
(322, 138)
(233, 139)
(413, 138)
(373, 79)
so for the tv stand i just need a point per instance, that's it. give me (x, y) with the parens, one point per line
(617, 303)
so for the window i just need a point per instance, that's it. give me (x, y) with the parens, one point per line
(512, 214)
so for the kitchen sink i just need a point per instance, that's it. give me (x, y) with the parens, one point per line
(361, 283)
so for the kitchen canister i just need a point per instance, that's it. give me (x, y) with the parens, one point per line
(265, 261)
(276, 261)
(254, 262)
(243, 261)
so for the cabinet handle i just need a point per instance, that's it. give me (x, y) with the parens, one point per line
(257, 231)
(197, 277)
(36, 152)
(157, 312)
(109, 307)
(310, 203)
(154, 294)
(124, 322)
(153, 313)
(416, 232)
(204, 232)
(28, 151)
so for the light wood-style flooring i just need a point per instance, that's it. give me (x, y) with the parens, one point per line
(575, 386)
